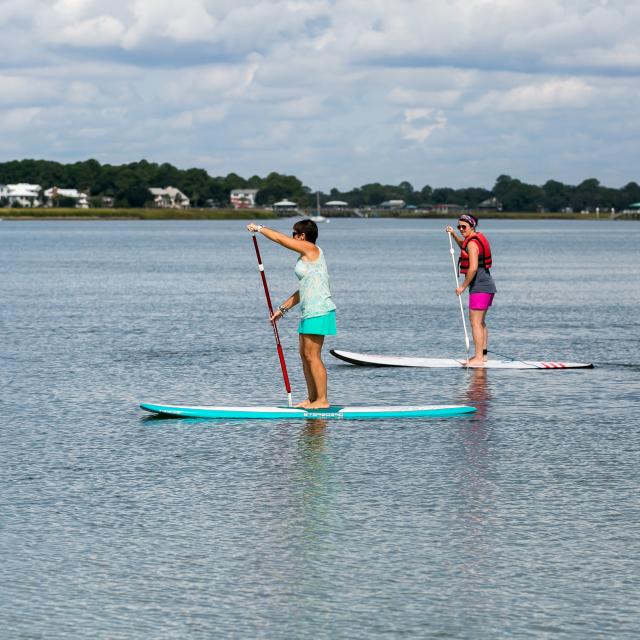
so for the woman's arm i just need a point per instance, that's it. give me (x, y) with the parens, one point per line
(472, 250)
(288, 304)
(454, 236)
(304, 248)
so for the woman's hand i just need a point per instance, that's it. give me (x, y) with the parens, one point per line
(253, 227)
(450, 230)
(277, 314)
(459, 291)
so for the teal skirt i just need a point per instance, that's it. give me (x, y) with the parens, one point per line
(320, 325)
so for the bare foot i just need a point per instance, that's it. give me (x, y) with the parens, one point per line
(318, 405)
(475, 362)
(303, 405)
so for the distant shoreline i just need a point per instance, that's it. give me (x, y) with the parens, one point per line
(133, 214)
(254, 214)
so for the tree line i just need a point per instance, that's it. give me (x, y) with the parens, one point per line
(128, 186)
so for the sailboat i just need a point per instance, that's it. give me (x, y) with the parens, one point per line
(318, 217)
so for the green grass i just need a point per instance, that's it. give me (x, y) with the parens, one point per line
(134, 214)
(500, 215)
(548, 215)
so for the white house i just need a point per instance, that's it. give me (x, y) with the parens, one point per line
(82, 199)
(243, 198)
(491, 203)
(449, 208)
(24, 194)
(284, 206)
(169, 198)
(392, 204)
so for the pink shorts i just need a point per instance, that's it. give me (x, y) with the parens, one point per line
(480, 301)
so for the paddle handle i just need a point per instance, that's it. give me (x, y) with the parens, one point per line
(455, 275)
(276, 335)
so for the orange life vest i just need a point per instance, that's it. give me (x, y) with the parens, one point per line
(484, 257)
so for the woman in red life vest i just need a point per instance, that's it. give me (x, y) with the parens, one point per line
(475, 263)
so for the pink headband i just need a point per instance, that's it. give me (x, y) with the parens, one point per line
(468, 219)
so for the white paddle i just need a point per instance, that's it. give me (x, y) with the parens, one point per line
(455, 275)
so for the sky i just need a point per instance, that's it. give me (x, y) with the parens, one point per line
(337, 92)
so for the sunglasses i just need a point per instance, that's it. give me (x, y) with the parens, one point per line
(462, 227)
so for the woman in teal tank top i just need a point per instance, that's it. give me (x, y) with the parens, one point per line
(318, 313)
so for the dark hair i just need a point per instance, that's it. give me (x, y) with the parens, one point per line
(309, 228)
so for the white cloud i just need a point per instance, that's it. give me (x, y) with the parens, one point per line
(556, 93)
(303, 107)
(409, 96)
(18, 119)
(184, 21)
(215, 113)
(95, 32)
(82, 93)
(72, 8)
(16, 90)
(420, 124)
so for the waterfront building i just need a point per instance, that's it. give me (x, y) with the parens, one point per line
(54, 194)
(169, 198)
(21, 194)
(490, 204)
(243, 198)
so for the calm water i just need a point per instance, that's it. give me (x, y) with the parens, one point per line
(521, 521)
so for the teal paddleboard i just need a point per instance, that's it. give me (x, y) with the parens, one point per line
(339, 412)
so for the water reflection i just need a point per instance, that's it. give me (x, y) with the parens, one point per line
(476, 485)
(312, 436)
(311, 518)
(475, 437)
(313, 475)
(478, 394)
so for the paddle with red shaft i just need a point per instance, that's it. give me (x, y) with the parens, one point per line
(455, 275)
(283, 366)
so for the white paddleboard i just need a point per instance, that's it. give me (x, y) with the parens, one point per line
(374, 360)
(340, 412)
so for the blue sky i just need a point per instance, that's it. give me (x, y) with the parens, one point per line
(339, 93)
